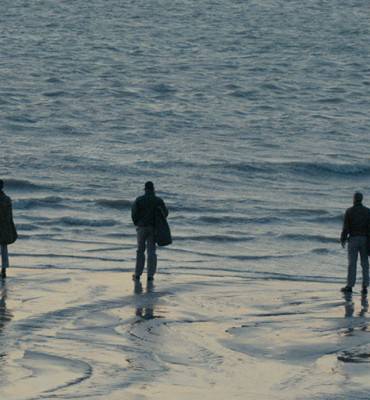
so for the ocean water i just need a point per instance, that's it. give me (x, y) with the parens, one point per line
(251, 117)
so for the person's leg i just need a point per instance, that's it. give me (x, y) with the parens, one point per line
(140, 253)
(364, 263)
(152, 256)
(4, 260)
(353, 249)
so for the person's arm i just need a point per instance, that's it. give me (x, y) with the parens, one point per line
(134, 212)
(11, 210)
(345, 229)
(7, 209)
(164, 208)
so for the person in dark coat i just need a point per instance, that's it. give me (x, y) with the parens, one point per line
(8, 233)
(356, 230)
(143, 216)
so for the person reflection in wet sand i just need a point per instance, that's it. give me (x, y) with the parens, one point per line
(349, 305)
(145, 307)
(5, 315)
(364, 305)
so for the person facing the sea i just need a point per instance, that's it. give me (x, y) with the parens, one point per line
(356, 230)
(143, 216)
(8, 233)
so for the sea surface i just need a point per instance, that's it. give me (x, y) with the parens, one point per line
(251, 117)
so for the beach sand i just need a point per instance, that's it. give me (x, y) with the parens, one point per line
(98, 335)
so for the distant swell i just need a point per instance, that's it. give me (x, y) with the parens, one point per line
(214, 238)
(329, 219)
(117, 204)
(27, 204)
(329, 168)
(238, 220)
(20, 184)
(240, 257)
(302, 168)
(72, 221)
(315, 238)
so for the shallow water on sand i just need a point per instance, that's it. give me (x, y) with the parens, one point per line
(100, 336)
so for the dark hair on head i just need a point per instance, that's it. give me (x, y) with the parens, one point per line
(358, 197)
(149, 186)
(1, 184)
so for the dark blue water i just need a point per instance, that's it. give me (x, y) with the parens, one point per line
(251, 117)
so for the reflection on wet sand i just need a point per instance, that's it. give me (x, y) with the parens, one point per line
(364, 306)
(146, 301)
(356, 353)
(5, 315)
(349, 313)
(349, 305)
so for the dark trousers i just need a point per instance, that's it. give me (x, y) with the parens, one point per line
(4, 256)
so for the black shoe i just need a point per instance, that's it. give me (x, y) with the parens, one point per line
(346, 289)
(135, 277)
(150, 278)
(364, 290)
(3, 273)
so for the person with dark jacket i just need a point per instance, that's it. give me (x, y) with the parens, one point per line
(8, 233)
(143, 216)
(356, 230)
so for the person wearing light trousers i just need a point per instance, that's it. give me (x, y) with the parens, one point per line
(143, 216)
(356, 230)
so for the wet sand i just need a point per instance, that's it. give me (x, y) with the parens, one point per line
(99, 335)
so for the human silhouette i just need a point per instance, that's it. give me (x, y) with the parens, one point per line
(356, 230)
(143, 214)
(8, 233)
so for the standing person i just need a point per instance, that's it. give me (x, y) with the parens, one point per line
(143, 216)
(8, 233)
(356, 229)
